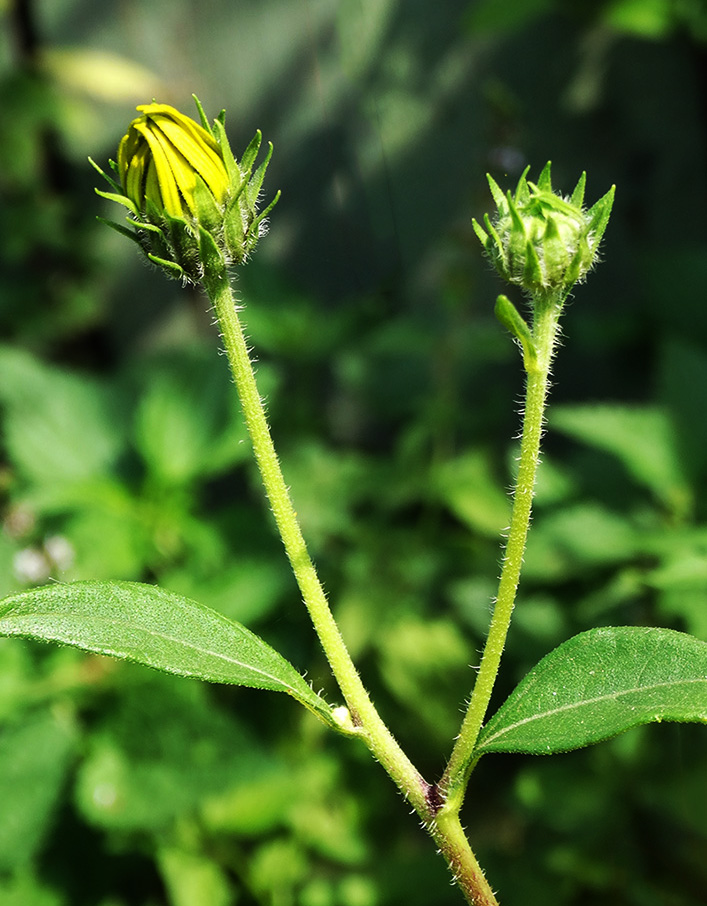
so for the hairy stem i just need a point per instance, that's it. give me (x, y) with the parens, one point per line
(453, 843)
(460, 764)
(442, 826)
(363, 713)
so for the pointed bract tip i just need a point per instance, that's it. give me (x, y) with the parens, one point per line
(545, 179)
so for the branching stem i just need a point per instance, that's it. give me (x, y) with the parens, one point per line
(438, 807)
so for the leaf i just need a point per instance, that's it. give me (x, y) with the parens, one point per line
(102, 75)
(187, 425)
(193, 879)
(597, 685)
(158, 628)
(471, 490)
(244, 590)
(571, 540)
(651, 21)
(25, 888)
(132, 783)
(643, 438)
(35, 757)
(58, 426)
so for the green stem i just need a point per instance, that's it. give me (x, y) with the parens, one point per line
(453, 843)
(545, 329)
(363, 713)
(444, 828)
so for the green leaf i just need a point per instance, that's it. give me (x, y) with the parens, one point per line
(25, 888)
(131, 783)
(471, 490)
(597, 685)
(157, 628)
(653, 20)
(34, 760)
(643, 438)
(187, 423)
(58, 426)
(192, 879)
(576, 538)
(250, 153)
(244, 590)
(577, 198)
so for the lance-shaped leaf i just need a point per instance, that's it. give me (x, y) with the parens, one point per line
(256, 181)
(251, 152)
(522, 195)
(513, 321)
(597, 685)
(158, 628)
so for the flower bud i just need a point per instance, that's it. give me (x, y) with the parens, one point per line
(162, 156)
(193, 206)
(540, 241)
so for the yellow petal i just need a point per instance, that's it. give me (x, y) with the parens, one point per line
(171, 200)
(133, 179)
(193, 142)
(200, 157)
(183, 173)
(126, 149)
(152, 185)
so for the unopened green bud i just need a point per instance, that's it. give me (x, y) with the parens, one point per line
(192, 206)
(540, 241)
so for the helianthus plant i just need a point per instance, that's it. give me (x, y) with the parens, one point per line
(193, 210)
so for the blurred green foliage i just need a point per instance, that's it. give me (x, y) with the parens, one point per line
(392, 395)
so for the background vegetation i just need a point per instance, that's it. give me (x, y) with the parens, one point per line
(392, 394)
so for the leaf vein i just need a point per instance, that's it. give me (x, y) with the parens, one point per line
(616, 695)
(178, 641)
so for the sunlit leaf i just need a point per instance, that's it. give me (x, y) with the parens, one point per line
(158, 628)
(101, 74)
(187, 424)
(599, 684)
(474, 493)
(193, 879)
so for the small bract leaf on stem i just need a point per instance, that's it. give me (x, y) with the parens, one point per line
(179, 179)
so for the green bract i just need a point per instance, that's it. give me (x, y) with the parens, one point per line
(193, 206)
(540, 241)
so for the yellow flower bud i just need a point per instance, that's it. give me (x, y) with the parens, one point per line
(193, 208)
(160, 158)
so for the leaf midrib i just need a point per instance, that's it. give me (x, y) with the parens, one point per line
(586, 702)
(161, 635)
